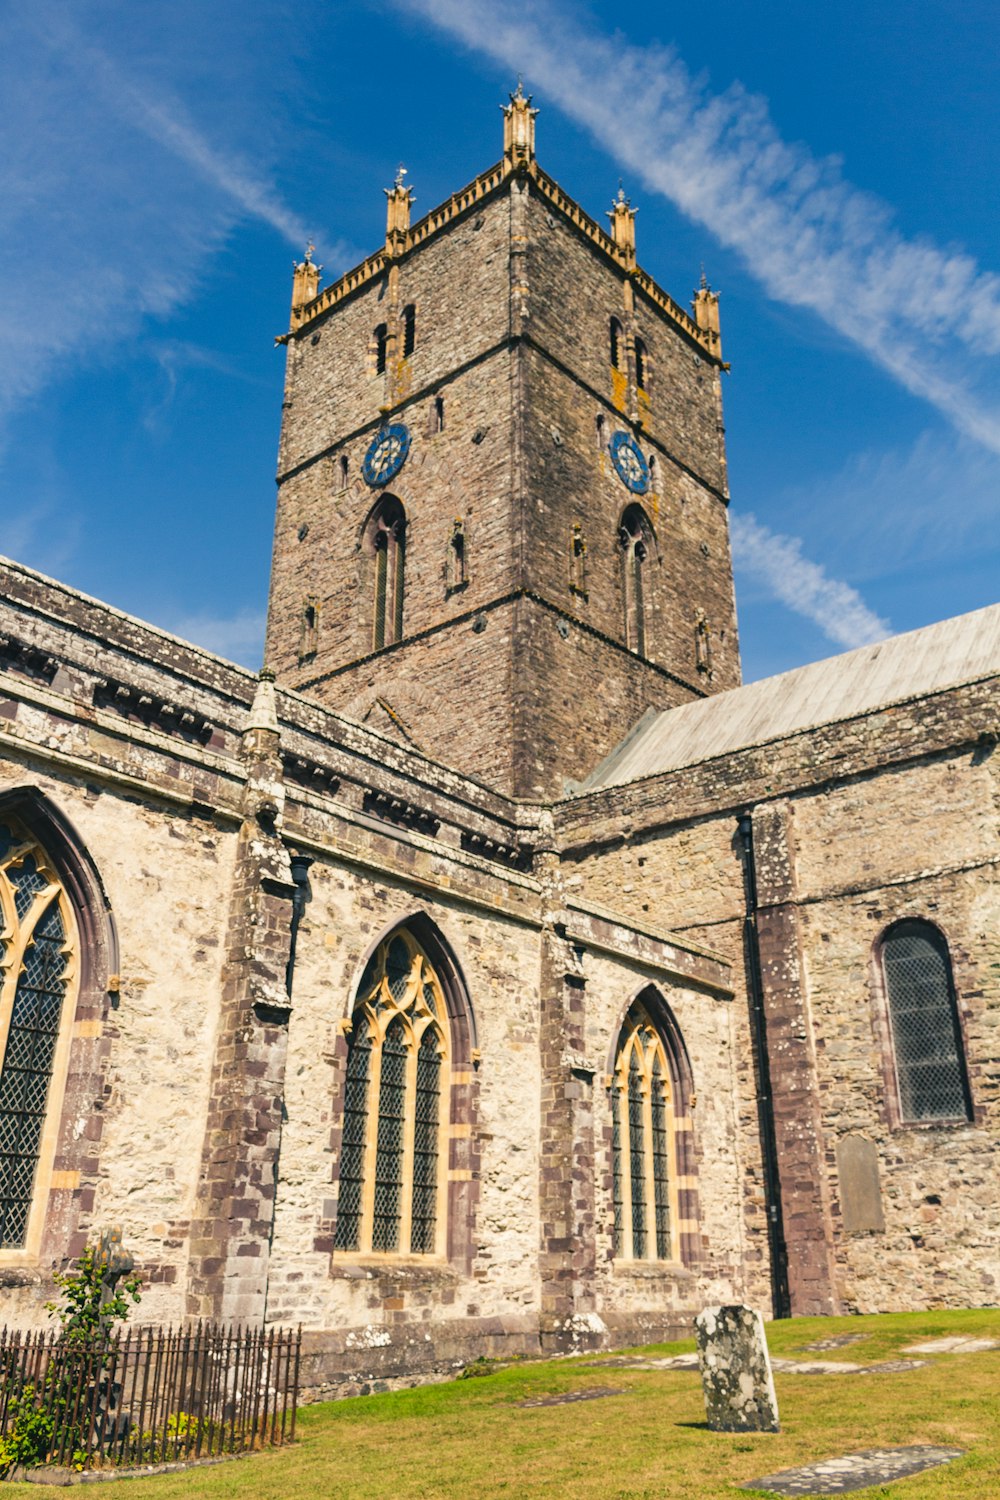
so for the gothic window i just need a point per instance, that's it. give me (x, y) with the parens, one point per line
(927, 1049)
(409, 330)
(617, 343)
(643, 1154)
(381, 340)
(343, 471)
(703, 646)
(641, 365)
(439, 414)
(393, 1177)
(634, 539)
(386, 534)
(38, 968)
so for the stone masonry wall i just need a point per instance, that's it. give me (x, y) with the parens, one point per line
(856, 825)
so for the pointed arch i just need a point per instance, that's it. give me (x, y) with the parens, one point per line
(654, 1190)
(58, 963)
(385, 540)
(407, 1078)
(926, 1061)
(636, 541)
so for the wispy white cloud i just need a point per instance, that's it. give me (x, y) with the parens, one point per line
(238, 637)
(115, 201)
(897, 508)
(928, 316)
(777, 562)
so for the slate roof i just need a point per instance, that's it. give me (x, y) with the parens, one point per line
(961, 650)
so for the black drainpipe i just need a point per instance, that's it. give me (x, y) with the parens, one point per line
(780, 1298)
(300, 879)
(300, 876)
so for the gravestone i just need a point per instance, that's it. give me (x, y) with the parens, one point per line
(736, 1370)
(860, 1193)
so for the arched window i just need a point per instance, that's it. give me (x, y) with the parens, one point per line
(380, 339)
(439, 414)
(641, 365)
(644, 1171)
(409, 330)
(634, 538)
(386, 534)
(39, 965)
(602, 436)
(393, 1164)
(927, 1049)
(617, 344)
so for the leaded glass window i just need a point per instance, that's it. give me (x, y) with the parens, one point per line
(37, 966)
(642, 1143)
(923, 1017)
(392, 1178)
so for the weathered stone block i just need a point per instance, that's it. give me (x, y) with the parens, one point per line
(736, 1370)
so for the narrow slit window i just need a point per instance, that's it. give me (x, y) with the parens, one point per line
(309, 638)
(602, 436)
(409, 330)
(616, 343)
(641, 365)
(439, 414)
(381, 340)
(456, 556)
(343, 471)
(578, 562)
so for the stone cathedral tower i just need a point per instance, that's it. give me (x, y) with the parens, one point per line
(501, 527)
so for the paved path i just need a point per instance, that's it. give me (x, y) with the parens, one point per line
(836, 1476)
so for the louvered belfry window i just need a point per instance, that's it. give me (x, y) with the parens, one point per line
(38, 966)
(392, 1178)
(923, 1017)
(642, 1143)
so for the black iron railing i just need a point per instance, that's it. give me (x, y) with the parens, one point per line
(150, 1395)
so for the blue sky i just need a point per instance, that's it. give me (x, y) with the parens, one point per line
(833, 168)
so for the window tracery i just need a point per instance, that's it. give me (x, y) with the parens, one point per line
(38, 970)
(642, 1115)
(392, 1171)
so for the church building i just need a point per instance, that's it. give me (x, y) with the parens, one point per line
(493, 973)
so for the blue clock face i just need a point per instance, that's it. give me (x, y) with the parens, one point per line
(386, 454)
(631, 467)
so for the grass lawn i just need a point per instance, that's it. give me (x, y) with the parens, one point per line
(470, 1440)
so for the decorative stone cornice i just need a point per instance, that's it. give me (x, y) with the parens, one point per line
(22, 657)
(152, 711)
(389, 809)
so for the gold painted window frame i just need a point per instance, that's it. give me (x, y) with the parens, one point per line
(643, 1041)
(15, 939)
(380, 1009)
